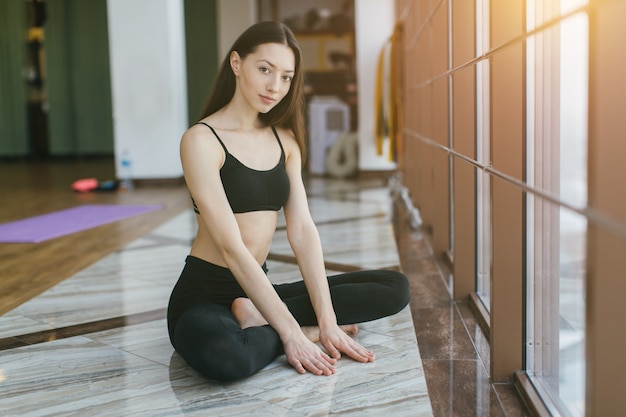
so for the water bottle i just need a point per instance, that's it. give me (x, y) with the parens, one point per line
(126, 178)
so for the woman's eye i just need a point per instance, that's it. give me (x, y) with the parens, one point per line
(287, 78)
(264, 70)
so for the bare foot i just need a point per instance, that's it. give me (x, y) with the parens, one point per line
(350, 329)
(313, 332)
(246, 313)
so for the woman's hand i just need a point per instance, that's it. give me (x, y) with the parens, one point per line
(337, 340)
(305, 355)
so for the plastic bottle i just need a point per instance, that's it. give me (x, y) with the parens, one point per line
(126, 178)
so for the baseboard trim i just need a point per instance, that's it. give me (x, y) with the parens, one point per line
(481, 313)
(530, 396)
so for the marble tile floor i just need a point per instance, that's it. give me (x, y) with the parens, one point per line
(96, 343)
(454, 350)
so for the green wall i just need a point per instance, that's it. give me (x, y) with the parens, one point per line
(79, 83)
(14, 136)
(202, 59)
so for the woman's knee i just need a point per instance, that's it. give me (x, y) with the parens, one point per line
(216, 355)
(223, 361)
(207, 339)
(400, 293)
(216, 346)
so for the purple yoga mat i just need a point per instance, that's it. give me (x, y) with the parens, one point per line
(60, 223)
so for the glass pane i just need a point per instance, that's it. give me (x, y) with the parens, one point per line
(483, 191)
(555, 351)
(571, 5)
(572, 311)
(483, 202)
(483, 246)
(542, 12)
(556, 253)
(574, 98)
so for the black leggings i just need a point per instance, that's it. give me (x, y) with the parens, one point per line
(211, 341)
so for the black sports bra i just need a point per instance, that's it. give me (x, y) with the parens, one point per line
(249, 189)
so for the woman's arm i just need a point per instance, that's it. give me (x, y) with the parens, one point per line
(201, 158)
(305, 242)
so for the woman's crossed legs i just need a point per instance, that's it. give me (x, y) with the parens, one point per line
(232, 343)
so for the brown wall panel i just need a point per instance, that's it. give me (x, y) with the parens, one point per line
(426, 189)
(464, 230)
(506, 22)
(463, 31)
(464, 183)
(439, 54)
(507, 280)
(606, 286)
(464, 111)
(507, 105)
(441, 201)
(425, 116)
(507, 156)
(423, 69)
(440, 119)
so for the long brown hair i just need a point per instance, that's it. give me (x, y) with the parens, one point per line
(289, 112)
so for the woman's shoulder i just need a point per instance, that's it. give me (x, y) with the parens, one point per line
(199, 139)
(202, 128)
(286, 136)
(289, 142)
(195, 134)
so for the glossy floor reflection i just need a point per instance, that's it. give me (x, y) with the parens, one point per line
(96, 344)
(455, 352)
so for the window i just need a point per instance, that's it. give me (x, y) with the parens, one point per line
(483, 180)
(557, 62)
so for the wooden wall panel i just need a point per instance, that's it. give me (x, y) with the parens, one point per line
(606, 286)
(464, 184)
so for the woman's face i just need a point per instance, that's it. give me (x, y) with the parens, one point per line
(264, 76)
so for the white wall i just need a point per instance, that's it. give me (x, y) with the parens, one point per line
(148, 76)
(149, 85)
(374, 23)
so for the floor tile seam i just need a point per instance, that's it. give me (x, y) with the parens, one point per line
(451, 360)
(158, 242)
(422, 346)
(454, 356)
(522, 407)
(333, 266)
(492, 386)
(80, 329)
(261, 397)
(361, 202)
(434, 308)
(340, 196)
(433, 377)
(442, 276)
(46, 335)
(132, 353)
(469, 335)
(120, 249)
(325, 194)
(381, 333)
(342, 220)
(452, 304)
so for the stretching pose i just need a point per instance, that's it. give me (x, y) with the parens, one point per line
(242, 163)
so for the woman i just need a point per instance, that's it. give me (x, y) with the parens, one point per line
(242, 163)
